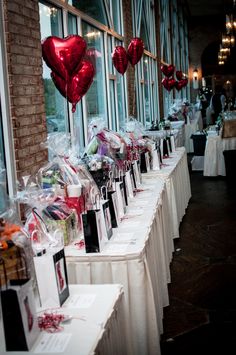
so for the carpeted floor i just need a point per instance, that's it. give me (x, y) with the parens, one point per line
(201, 318)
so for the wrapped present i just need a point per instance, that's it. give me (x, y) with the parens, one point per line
(67, 224)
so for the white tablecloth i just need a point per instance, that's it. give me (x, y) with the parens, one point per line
(192, 127)
(97, 326)
(180, 138)
(214, 163)
(177, 129)
(139, 253)
(176, 175)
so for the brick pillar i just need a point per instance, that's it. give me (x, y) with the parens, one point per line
(158, 45)
(24, 58)
(128, 34)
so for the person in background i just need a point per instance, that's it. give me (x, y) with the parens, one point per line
(204, 105)
(218, 103)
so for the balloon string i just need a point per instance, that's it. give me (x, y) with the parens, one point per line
(134, 100)
(66, 89)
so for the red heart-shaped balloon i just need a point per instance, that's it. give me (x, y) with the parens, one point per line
(120, 59)
(77, 85)
(168, 83)
(179, 74)
(135, 50)
(64, 55)
(168, 70)
(180, 84)
(185, 82)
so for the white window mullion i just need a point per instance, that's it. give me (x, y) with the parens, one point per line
(107, 81)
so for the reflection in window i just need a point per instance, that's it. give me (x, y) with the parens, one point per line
(116, 15)
(2, 168)
(113, 105)
(146, 91)
(146, 73)
(92, 8)
(121, 99)
(78, 126)
(55, 104)
(72, 25)
(95, 97)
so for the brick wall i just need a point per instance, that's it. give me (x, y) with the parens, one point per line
(24, 59)
(201, 34)
(158, 46)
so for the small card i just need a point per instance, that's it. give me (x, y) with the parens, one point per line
(53, 343)
(135, 211)
(124, 237)
(81, 301)
(118, 248)
(130, 224)
(140, 203)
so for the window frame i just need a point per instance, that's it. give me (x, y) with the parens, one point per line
(110, 78)
(154, 104)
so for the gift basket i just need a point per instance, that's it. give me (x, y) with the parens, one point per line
(17, 286)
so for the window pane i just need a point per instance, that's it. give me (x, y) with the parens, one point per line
(55, 103)
(72, 26)
(2, 166)
(95, 97)
(112, 103)
(78, 127)
(144, 34)
(147, 91)
(93, 8)
(116, 15)
(121, 100)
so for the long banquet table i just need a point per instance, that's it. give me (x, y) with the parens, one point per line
(192, 127)
(214, 163)
(97, 325)
(139, 253)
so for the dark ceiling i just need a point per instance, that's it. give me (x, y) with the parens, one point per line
(207, 7)
(211, 12)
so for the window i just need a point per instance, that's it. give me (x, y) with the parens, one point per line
(55, 103)
(95, 97)
(106, 97)
(2, 166)
(93, 8)
(146, 70)
(165, 48)
(179, 36)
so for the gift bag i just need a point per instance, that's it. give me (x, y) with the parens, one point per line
(172, 142)
(106, 211)
(155, 161)
(145, 162)
(133, 178)
(129, 185)
(51, 275)
(19, 315)
(95, 233)
(169, 145)
(137, 173)
(164, 148)
(119, 188)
